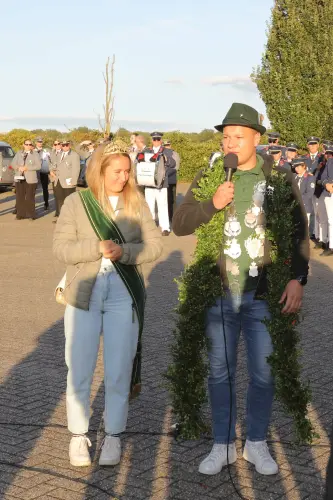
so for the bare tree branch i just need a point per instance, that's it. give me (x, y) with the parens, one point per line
(108, 106)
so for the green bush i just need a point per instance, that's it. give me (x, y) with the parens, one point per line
(193, 155)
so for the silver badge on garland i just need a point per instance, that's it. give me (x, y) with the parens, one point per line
(234, 249)
(254, 247)
(250, 219)
(232, 227)
(253, 271)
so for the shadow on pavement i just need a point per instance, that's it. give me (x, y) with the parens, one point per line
(154, 465)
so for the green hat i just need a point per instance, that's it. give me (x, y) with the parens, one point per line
(243, 115)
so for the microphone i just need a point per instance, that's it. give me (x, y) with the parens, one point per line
(230, 165)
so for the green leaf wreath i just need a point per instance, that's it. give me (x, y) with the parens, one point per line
(200, 285)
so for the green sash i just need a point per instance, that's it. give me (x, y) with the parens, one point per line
(107, 229)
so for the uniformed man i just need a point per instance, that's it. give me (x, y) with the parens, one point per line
(305, 182)
(44, 156)
(314, 157)
(319, 207)
(274, 140)
(327, 182)
(160, 196)
(276, 152)
(172, 186)
(291, 152)
(324, 145)
(64, 174)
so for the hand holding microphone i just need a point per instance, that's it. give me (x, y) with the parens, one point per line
(225, 192)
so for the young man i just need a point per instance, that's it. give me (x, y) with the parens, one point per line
(241, 307)
(44, 156)
(314, 157)
(291, 152)
(276, 152)
(306, 183)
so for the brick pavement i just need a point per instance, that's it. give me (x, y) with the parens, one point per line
(33, 435)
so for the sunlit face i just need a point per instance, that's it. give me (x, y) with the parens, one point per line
(240, 140)
(116, 175)
(277, 156)
(132, 139)
(313, 148)
(300, 169)
(291, 154)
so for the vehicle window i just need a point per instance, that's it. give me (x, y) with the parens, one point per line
(6, 152)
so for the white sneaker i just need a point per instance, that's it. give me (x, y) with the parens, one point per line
(78, 451)
(218, 458)
(111, 451)
(257, 453)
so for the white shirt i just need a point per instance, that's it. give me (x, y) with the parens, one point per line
(299, 179)
(156, 149)
(106, 263)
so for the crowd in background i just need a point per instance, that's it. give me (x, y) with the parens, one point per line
(65, 167)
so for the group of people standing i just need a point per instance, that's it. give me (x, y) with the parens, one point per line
(32, 164)
(62, 167)
(314, 176)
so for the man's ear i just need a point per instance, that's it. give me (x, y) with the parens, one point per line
(257, 139)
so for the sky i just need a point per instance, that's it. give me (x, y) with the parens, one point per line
(180, 64)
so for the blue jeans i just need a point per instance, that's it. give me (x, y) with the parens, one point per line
(239, 314)
(110, 312)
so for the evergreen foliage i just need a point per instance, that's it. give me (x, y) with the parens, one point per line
(294, 78)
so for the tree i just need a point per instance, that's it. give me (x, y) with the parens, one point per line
(108, 106)
(294, 78)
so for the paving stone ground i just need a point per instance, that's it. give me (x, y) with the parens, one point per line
(33, 435)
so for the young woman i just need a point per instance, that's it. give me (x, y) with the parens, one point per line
(104, 234)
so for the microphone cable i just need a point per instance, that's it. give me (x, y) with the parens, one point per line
(230, 384)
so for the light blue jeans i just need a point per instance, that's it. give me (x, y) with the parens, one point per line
(246, 314)
(110, 312)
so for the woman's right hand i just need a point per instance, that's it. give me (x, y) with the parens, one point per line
(110, 250)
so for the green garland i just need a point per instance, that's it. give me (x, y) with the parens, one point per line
(199, 286)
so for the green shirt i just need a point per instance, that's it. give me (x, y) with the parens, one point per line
(244, 230)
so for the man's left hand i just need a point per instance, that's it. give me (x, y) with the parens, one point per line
(292, 296)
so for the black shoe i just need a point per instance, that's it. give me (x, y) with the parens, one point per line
(313, 238)
(327, 253)
(165, 233)
(320, 246)
(32, 218)
(46, 207)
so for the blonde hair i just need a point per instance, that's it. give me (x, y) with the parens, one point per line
(97, 165)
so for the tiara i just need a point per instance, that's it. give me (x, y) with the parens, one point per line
(117, 146)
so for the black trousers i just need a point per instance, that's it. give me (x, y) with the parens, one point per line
(329, 474)
(172, 197)
(44, 180)
(25, 199)
(60, 194)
